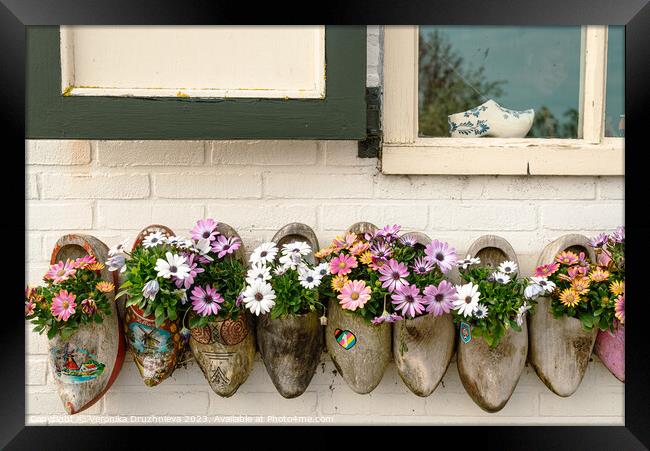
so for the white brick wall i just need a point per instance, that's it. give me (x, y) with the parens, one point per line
(122, 186)
(112, 189)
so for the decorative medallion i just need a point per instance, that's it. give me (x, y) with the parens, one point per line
(234, 332)
(345, 338)
(73, 365)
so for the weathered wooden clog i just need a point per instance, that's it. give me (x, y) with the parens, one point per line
(96, 349)
(360, 351)
(291, 345)
(559, 347)
(423, 346)
(225, 347)
(155, 350)
(610, 349)
(490, 375)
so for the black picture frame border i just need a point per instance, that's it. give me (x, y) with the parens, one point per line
(634, 14)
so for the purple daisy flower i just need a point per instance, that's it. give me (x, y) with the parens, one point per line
(205, 229)
(422, 265)
(439, 299)
(194, 270)
(599, 240)
(387, 318)
(225, 245)
(389, 231)
(408, 240)
(206, 301)
(381, 251)
(393, 275)
(408, 299)
(619, 235)
(441, 254)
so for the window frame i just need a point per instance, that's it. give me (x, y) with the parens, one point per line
(341, 114)
(404, 152)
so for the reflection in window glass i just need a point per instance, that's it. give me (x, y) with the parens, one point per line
(615, 99)
(461, 67)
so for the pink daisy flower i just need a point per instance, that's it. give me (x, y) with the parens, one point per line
(386, 318)
(577, 271)
(441, 254)
(84, 262)
(377, 263)
(194, 270)
(619, 309)
(421, 265)
(29, 307)
(63, 305)
(567, 258)
(389, 231)
(439, 299)
(381, 251)
(225, 245)
(61, 271)
(393, 275)
(359, 248)
(206, 301)
(408, 299)
(354, 295)
(342, 264)
(546, 270)
(205, 229)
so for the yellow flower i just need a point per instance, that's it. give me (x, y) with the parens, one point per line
(580, 285)
(105, 287)
(338, 282)
(569, 298)
(366, 258)
(599, 275)
(97, 266)
(617, 287)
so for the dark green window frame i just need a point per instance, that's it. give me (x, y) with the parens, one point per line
(340, 115)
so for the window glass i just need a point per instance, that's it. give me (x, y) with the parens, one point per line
(520, 68)
(615, 99)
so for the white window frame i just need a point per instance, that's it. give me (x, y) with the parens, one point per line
(406, 153)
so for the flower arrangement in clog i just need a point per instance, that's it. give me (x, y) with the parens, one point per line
(285, 284)
(385, 278)
(491, 302)
(593, 292)
(74, 294)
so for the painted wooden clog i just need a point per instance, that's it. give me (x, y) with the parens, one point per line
(423, 346)
(490, 375)
(155, 349)
(359, 350)
(225, 347)
(610, 349)
(97, 349)
(559, 347)
(491, 119)
(291, 345)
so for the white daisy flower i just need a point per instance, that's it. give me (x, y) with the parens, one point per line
(468, 261)
(521, 313)
(291, 261)
(264, 253)
(507, 267)
(481, 311)
(154, 239)
(258, 272)
(323, 269)
(180, 242)
(298, 247)
(280, 270)
(467, 297)
(309, 279)
(544, 283)
(500, 277)
(174, 266)
(259, 297)
(533, 290)
(118, 248)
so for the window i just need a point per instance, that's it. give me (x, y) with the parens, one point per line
(559, 72)
(124, 83)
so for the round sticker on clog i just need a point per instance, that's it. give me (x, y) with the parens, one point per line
(345, 338)
(465, 332)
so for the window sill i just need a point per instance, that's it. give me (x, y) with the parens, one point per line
(494, 156)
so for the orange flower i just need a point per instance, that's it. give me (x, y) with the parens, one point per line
(105, 287)
(580, 285)
(97, 266)
(338, 282)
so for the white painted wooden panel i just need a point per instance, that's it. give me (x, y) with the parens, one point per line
(195, 61)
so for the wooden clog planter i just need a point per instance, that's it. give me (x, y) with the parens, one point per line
(155, 349)
(423, 346)
(559, 347)
(490, 375)
(99, 348)
(360, 351)
(225, 347)
(610, 349)
(291, 345)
